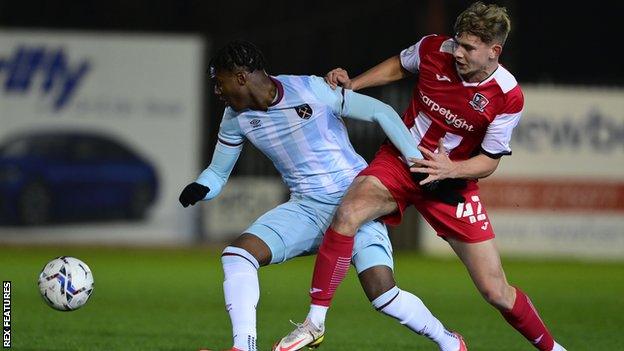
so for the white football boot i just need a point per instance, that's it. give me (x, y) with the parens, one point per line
(305, 335)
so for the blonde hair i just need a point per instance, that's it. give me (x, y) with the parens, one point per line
(488, 22)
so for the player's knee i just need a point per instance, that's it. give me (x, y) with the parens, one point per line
(232, 255)
(254, 247)
(376, 281)
(346, 218)
(494, 295)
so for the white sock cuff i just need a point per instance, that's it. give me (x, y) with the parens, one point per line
(386, 298)
(317, 315)
(234, 253)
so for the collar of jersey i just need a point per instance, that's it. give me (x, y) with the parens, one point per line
(468, 84)
(280, 91)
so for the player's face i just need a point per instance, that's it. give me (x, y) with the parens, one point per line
(230, 87)
(474, 59)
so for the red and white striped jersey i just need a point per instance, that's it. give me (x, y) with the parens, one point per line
(471, 117)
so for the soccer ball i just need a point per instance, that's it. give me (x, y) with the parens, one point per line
(66, 283)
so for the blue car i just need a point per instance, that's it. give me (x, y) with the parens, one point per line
(52, 176)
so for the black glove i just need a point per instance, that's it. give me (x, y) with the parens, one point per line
(448, 191)
(445, 190)
(418, 177)
(193, 193)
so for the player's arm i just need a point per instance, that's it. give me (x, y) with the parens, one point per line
(366, 108)
(479, 166)
(216, 175)
(210, 182)
(495, 145)
(393, 69)
(384, 73)
(350, 104)
(439, 166)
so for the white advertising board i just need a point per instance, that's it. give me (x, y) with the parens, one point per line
(142, 91)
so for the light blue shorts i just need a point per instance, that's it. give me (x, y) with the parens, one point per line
(296, 228)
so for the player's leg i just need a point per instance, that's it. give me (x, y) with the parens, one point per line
(366, 199)
(381, 189)
(311, 332)
(241, 288)
(373, 261)
(468, 230)
(268, 240)
(406, 308)
(484, 266)
(372, 258)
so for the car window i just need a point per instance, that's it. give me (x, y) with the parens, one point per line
(85, 149)
(99, 149)
(116, 151)
(40, 146)
(16, 148)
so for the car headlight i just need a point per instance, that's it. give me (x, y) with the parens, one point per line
(10, 174)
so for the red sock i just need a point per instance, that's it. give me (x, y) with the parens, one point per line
(332, 263)
(523, 316)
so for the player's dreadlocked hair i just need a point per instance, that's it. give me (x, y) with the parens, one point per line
(488, 22)
(238, 53)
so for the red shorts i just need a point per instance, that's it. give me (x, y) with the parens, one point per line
(467, 222)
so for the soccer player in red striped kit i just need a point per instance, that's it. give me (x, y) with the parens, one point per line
(464, 108)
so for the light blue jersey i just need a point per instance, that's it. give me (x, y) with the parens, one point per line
(302, 133)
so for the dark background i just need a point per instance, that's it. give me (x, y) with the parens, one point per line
(551, 42)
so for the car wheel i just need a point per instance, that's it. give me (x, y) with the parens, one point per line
(140, 201)
(34, 204)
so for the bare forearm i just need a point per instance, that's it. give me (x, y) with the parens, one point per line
(386, 72)
(439, 166)
(479, 166)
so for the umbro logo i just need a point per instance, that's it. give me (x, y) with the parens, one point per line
(443, 78)
(255, 123)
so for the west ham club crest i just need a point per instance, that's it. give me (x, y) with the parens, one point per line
(304, 111)
(479, 102)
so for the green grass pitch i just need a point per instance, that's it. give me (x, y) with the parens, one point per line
(171, 299)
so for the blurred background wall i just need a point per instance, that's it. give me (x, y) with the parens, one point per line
(134, 70)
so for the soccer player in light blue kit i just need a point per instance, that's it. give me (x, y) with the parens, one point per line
(296, 122)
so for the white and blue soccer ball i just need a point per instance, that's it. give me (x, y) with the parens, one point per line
(66, 283)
